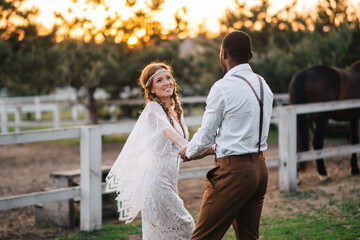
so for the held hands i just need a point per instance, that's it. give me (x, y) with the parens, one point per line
(182, 154)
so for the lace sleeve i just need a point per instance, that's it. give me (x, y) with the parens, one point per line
(144, 144)
(156, 116)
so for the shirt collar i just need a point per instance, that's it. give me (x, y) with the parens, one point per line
(240, 67)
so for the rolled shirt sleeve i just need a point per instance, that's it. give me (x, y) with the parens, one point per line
(211, 121)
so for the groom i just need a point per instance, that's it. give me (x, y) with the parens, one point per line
(237, 118)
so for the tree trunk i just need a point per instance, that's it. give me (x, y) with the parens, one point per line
(92, 106)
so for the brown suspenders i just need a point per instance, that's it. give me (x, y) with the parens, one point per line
(261, 103)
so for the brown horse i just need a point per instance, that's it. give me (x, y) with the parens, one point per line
(320, 84)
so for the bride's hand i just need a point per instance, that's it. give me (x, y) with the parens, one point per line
(183, 156)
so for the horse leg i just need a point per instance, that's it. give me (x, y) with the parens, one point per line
(354, 139)
(318, 143)
(303, 139)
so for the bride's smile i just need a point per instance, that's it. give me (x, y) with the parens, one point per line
(163, 85)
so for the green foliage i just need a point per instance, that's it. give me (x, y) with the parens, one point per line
(90, 66)
(200, 67)
(16, 17)
(313, 49)
(325, 224)
(284, 42)
(285, 45)
(5, 56)
(30, 66)
(28, 61)
(195, 72)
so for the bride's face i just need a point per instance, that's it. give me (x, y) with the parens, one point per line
(163, 85)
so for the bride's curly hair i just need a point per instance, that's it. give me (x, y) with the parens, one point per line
(148, 71)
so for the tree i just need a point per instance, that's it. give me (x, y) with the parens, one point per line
(33, 66)
(90, 66)
(5, 56)
(29, 62)
(13, 20)
(283, 29)
(253, 20)
(331, 14)
(181, 24)
(294, 41)
(139, 29)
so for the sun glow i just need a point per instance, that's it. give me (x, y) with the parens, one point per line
(205, 13)
(196, 13)
(133, 40)
(140, 33)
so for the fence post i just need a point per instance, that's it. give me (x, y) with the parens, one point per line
(3, 113)
(37, 109)
(287, 149)
(90, 178)
(56, 116)
(18, 117)
(74, 112)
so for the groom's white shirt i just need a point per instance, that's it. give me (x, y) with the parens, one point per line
(233, 111)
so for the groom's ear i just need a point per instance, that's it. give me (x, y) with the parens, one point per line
(251, 55)
(225, 54)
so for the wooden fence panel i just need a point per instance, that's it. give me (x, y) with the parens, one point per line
(90, 178)
(90, 155)
(39, 197)
(287, 149)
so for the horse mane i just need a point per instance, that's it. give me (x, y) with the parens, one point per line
(356, 65)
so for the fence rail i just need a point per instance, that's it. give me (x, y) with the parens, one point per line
(38, 105)
(91, 188)
(287, 139)
(29, 199)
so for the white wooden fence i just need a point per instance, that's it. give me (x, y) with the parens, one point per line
(288, 155)
(40, 104)
(38, 108)
(91, 188)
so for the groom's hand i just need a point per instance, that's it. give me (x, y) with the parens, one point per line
(182, 154)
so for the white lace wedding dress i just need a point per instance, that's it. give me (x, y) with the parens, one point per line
(145, 176)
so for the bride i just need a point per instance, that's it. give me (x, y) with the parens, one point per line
(145, 174)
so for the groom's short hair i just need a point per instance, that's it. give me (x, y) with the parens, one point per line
(238, 45)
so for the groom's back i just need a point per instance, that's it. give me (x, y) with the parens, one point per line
(242, 114)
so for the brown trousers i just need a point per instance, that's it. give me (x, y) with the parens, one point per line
(234, 194)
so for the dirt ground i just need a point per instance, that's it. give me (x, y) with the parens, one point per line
(25, 168)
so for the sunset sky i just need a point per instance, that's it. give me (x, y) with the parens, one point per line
(198, 10)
